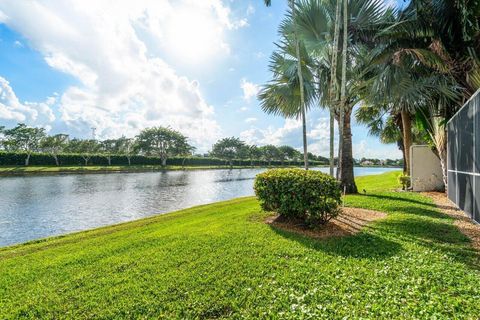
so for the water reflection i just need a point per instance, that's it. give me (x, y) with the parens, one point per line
(40, 206)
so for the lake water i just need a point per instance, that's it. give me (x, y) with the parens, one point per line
(33, 207)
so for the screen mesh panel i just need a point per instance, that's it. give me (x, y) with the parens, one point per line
(464, 131)
(476, 108)
(465, 193)
(477, 200)
(452, 186)
(464, 158)
(452, 151)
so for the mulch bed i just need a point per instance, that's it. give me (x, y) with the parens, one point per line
(464, 223)
(351, 221)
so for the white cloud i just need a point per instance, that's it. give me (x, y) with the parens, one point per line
(250, 89)
(251, 120)
(260, 55)
(193, 31)
(3, 17)
(289, 133)
(377, 151)
(17, 44)
(243, 109)
(123, 85)
(250, 9)
(318, 137)
(33, 113)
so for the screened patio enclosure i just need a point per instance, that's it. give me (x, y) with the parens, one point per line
(464, 158)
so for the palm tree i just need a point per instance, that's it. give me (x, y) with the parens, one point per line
(455, 29)
(333, 84)
(362, 21)
(300, 78)
(314, 23)
(282, 95)
(426, 65)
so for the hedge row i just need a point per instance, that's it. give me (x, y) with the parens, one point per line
(41, 159)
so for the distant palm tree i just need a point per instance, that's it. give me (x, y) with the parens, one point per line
(314, 24)
(296, 39)
(281, 96)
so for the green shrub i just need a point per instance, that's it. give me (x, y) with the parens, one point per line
(405, 181)
(311, 196)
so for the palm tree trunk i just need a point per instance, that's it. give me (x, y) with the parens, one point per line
(304, 127)
(442, 154)
(343, 89)
(407, 138)
(345, 164)
(333, 85)
(300, 78)
(347, 176)
(332, 141)
(401, 147)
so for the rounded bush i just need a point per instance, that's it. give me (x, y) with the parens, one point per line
(311, 196)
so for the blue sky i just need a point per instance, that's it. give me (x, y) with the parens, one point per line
(120, 66)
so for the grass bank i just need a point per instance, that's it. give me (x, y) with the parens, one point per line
(19, 170)
(222, 260)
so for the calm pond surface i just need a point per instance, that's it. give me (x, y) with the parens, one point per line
(33, 207)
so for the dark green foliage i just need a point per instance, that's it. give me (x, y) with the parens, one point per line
(164, 143)
(311, 196)
(42, 159)
(229, 149)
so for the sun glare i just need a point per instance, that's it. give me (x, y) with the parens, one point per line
(194, 37)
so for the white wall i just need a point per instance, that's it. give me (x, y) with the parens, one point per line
(425, 169)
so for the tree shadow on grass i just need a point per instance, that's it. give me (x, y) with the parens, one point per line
(436, 235)
(361, 246)
(384, 239)
(408, 206)
(395, 198)
(418, 211)
(424, 229)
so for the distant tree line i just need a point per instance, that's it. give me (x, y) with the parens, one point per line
(232, 148)
(378, 162)
(162, 143)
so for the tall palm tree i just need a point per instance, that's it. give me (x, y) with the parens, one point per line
(427, 65)
(333, 83)
(281, 96)
(455, 27)
(292, 6)
(315, 26)
(361, 23)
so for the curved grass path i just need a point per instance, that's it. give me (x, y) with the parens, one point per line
(221, 260)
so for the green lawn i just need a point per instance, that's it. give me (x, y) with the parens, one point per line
(221, 260)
